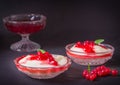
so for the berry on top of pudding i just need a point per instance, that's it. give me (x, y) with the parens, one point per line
(89, 46)
(43, 59)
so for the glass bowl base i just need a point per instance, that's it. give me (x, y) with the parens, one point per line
(44, 76)
(91, 62)
(25, 46)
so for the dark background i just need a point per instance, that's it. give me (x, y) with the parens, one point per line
(67, 22)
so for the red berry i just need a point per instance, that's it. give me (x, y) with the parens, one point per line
(79, 44)
(90, 76)
(93, 71)
(114, 72)
(103, 70)
(103, 67)
(107, 71)
(89, 50)
(93, 76)
(51, 59)
(39, 53)
(88, 46)
(100, 73)
(87, 76)
(98, 68)
(42, 57)
(53, 63)
(85, 72)
(33, 57)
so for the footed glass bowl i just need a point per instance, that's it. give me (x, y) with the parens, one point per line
(25, 25)
(90, 58)
(42, 72)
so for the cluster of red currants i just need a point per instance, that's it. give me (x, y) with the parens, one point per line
(86, 45)
(99, 71)
(44, 56)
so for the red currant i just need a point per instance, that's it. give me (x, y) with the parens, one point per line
(93, 76)
(85, 72)
(39, 53)
(48, 54)
(103, 67)
(53, 63)
(114, 72)
(87, 76)
(78, 44)
(33, 57)
(99, 71)
(88, 46)
(107, 71)
(42, 56)
(93, 71)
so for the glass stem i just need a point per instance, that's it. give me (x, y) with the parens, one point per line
(25, 37)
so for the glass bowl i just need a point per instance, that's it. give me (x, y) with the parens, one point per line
(90, 58)
(25, 25)
(42, 72)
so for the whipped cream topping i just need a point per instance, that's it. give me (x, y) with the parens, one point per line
(74, 48)
(61, 60)
(98, 48)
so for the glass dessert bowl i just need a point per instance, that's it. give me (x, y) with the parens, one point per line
(24, 25)
(89, 52)
(42, 65)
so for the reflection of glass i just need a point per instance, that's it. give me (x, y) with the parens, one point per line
(25, 24)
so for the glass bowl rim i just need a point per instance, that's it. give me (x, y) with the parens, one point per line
(68, 46)
(7, 18)
(16, 61)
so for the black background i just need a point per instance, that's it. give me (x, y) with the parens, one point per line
(67, 22)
